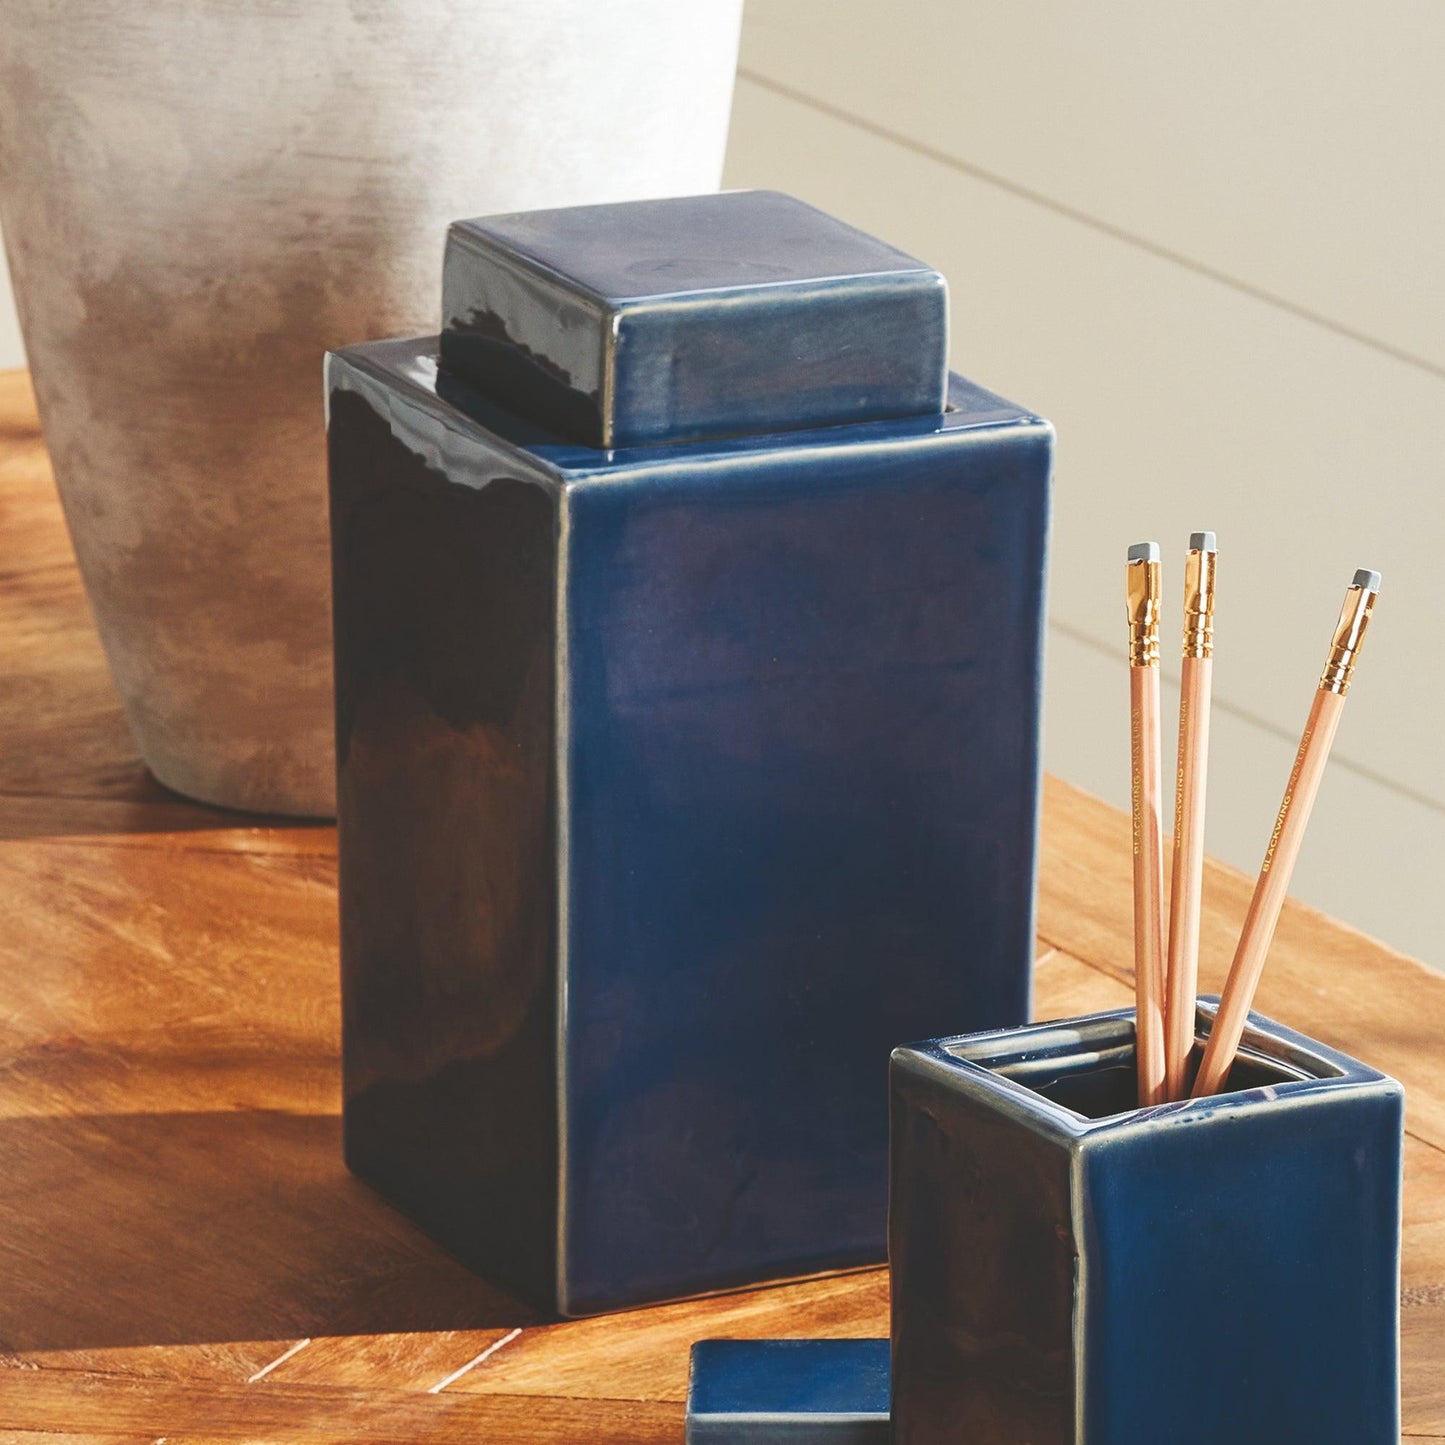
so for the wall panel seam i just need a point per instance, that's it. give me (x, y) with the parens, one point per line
(1097, 223)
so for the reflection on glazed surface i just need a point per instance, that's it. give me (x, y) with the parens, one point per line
(444, 629)
(691, 317)
(801, 831)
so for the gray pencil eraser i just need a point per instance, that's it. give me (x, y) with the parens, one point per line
(1202, 542)
(1370, 581)
(1144, 552)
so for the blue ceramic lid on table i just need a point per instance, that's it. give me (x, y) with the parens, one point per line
(807, 1392)
(692, 317)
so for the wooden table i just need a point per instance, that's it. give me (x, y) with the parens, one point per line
(182, 1254)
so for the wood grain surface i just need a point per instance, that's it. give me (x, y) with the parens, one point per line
(183, 1255)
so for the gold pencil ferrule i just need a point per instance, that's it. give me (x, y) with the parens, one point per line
(1348, 638)
(1143, 611)
(1199, 604)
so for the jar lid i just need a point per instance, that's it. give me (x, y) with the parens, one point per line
(691, 317)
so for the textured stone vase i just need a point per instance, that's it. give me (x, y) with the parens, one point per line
(198, 201)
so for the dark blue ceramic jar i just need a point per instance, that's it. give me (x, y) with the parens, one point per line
(1070, 1270)
(678, 780)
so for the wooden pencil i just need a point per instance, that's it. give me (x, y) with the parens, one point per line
(1190, 774)
(1142, 590)
(1284, 843)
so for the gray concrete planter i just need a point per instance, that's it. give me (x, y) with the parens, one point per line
(199, 200)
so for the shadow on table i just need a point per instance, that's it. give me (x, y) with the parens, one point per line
(134, 803)
(165, 1229)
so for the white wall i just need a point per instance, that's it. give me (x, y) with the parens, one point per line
(1209, 243)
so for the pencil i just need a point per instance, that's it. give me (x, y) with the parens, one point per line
(1142, 590)
(1289, 829)
(1187, 876)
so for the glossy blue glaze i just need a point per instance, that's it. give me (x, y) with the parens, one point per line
(805, 1392)
(677, 784)
(693, 316)
(1070, 1270)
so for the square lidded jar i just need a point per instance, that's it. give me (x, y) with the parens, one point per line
(688, 630)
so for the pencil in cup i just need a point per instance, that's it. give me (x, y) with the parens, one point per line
(1289, 829)
(1187, 873)
(1146, 787)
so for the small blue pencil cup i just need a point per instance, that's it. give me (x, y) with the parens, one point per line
(1069, 1269)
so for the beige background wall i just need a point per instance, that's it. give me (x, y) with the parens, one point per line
(1209, 243)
